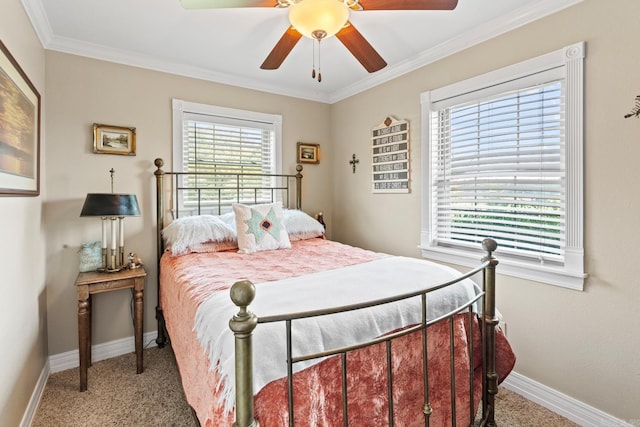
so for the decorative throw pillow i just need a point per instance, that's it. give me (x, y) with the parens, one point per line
(301, 226)
(90, 256)
(185, 232)
(260, 228)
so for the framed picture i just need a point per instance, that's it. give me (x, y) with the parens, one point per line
(308, 153)
(114, 140)
(19, 130)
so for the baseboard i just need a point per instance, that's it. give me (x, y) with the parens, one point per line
(560, 403)
(568, 407)
(71, 359)
(27, 418)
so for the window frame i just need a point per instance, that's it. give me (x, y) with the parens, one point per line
(569, 62)
(182, 109)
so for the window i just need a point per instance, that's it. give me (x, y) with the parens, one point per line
(224, 142)
(503, 159)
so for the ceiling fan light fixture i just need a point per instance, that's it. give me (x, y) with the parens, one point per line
(314, 16)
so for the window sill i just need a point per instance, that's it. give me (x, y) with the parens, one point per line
(551, 275)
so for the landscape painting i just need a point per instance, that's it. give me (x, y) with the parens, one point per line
(19, 130)
(114, 140)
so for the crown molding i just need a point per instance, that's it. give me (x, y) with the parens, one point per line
(105, 53)
(38, 17)
(474, 36)
(479, 34)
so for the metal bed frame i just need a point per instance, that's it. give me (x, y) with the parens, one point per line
(244, 322)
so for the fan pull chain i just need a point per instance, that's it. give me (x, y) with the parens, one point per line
(313, 71)
(317, 35)
(319, 73)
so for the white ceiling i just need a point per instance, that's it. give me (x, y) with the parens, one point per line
(228, 45)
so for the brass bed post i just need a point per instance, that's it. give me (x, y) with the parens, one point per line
(242, 325)
(489, 322)
(298, 187)
(161, 339)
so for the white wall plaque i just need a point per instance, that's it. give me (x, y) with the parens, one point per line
(390, 156)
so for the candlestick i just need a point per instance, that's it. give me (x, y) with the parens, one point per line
(121, 227)
(104, 232)
(113, 243)
(104, 243)
(121, 246)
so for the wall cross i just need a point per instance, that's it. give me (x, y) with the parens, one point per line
(353, 162)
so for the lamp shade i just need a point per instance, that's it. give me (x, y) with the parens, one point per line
(108, 204)
(326, 16)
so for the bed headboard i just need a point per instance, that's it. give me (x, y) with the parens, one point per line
(188, 193)
(183, 193)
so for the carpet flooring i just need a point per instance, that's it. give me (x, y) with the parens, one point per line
(116, 396)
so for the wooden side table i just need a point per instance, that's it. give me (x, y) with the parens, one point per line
(95, 282)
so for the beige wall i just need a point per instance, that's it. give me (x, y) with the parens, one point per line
(558, 334)
(22, 257)
(584, 344)
(84, 91)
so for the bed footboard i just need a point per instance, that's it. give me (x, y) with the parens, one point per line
(489, 323)
(242, 325)
(244, 322)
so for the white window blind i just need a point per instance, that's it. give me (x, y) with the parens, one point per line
(502, 156)
(499, 172)
(225, 143)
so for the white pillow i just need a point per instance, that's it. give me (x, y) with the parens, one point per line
(260, 228)
(230, 219)
(301, 226)
(185, 232)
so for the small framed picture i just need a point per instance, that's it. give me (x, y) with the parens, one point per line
(114, 140)
(308, 153)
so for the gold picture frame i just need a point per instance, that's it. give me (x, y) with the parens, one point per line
(308, 153)
(19, 130)
(114, 140)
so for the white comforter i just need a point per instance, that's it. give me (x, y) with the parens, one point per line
(333, 288)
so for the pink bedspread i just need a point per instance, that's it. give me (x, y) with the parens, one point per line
(186, 281)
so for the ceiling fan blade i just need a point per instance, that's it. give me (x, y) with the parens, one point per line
(221, 4)
(361, 49)
(281, 49)
(408, 4)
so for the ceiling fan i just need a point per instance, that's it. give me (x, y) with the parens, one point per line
(320, 19)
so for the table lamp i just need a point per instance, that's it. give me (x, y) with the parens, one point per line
(111, 207)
